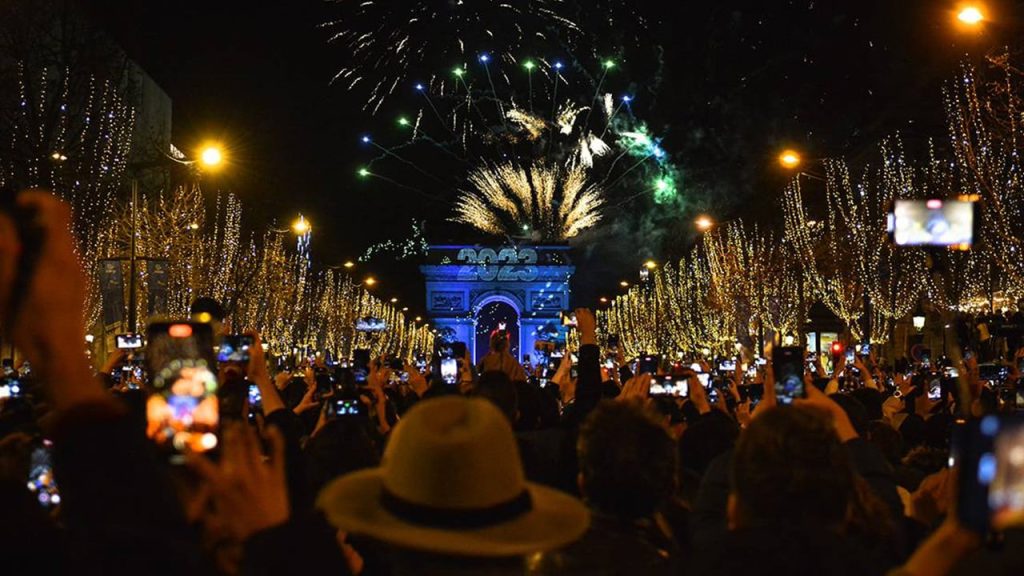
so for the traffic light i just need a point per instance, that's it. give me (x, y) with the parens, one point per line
(837, 349)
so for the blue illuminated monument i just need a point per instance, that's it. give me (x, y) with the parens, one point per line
(474, 290)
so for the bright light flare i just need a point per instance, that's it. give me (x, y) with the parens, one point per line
(704, 223)
(301, 226)
(211, 156)
(789, 159)
(971, 15)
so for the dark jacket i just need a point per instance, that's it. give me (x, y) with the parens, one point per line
(610, 547)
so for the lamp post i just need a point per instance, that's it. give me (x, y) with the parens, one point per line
(210, 157)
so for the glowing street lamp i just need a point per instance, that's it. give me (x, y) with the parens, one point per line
(350, 264)
(789, 159)
(604, 300)
(211, 156)
(624, 284)
(301, 226)
(394, 300)
(650, 264)
(370, 281)
(704, 223)
(971, 15)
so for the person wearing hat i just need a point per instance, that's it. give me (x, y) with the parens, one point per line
(450, 495)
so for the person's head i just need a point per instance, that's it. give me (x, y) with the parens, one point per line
(704, 438)
(206, 309)
(790, 468)
(499, 389)
(451, 484)
(627, 460)
(854, 411)
(339, 447)
(871, 400)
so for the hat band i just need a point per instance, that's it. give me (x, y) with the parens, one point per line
(436, 517)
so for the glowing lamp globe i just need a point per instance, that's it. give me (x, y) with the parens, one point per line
(211, 157)
(789, 159)
(970, 15)
(704, 223)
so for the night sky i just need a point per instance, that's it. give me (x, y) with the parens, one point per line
(740, 81)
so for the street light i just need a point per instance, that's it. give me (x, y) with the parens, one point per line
(301, 226)
(624, 284)
(394, 300)
(918, 318)
(210, 158)
(970, 15)
(789, 159)
(350, 264)
(650, 264)
(370, 281)
(604, 300)
(704, 223)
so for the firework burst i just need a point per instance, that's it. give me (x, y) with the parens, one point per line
(387, 41)
(547, 203)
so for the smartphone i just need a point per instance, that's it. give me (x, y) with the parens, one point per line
(648, 364)
(343, 407)
(865, 350)
(568, 318)
(255, 398)
(182, 414)
(850, 356)
(449, 370)
(370, 324)
(361, 365)
(10, 388)
(727, 366)
(41, 481)
(991, 473)
(935, 391)
(934, 222)
(788, 365)
(8, 366)
(705, 380)
(128, 341)
(234, 348)
(993, 373)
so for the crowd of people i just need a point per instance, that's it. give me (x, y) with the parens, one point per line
(601, 466)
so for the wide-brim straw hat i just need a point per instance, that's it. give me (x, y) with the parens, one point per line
(451, 482)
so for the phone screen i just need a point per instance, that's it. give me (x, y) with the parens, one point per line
(370, 324)
(648, 365)
(346, 407)
(235, 348)
(932, 222)
(361, 365)
(788, 364)
(255, 398)
(991, 486)
(40, 475)
(129, 341)
(935, 391)
(182, 414)
(449, 370)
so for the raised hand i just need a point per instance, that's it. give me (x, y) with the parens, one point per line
(250, 495)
